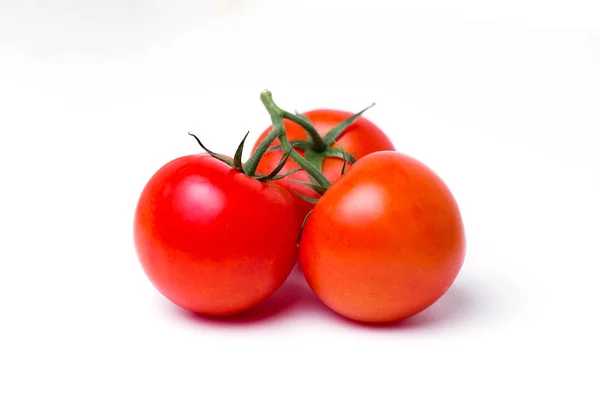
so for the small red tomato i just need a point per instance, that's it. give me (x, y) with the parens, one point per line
(213, 240)
(362, 137)
(385, 241)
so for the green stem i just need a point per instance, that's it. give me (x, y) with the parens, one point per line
(317, 142)
(252, 163)
(279, 129)
(303, 163)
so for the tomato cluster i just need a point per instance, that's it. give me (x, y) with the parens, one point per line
(377, 234)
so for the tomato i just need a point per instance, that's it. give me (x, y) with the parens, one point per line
(362, 137)
(385, 241)
(213, 240)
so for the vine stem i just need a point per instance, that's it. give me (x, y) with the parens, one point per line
(278, 131)
(317, 143)
(252, 163)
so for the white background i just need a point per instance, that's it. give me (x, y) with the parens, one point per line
(502, 99)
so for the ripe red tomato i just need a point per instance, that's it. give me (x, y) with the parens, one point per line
(385, 241)
(362, 137)
(213, 240)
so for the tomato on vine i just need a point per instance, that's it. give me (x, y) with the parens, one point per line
(213, 236)
(385, 241)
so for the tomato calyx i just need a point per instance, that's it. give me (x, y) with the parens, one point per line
(237, 164)
(316, 148)
(319, 189)
(278, 132)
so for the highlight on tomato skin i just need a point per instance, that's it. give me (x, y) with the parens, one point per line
(213, 240)
(385, 242)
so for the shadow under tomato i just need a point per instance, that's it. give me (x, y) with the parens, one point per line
(462, 303)
(292, 297)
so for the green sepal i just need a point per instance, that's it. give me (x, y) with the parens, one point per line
(337, 130)
(345, 159)
(213, 154)
(302, 226)
(314, 186)
(339, 153)
(299, 144)
(306, 218)
(306, 198)
(277, 177)
(237, 158)
(280, 166)
(263, 178)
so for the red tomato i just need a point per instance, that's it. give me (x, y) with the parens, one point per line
(384, 242)
(213, 240)
(359, 139)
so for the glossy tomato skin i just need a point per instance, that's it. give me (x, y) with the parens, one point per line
(359, 139)
(213, 240)
(385, 242)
